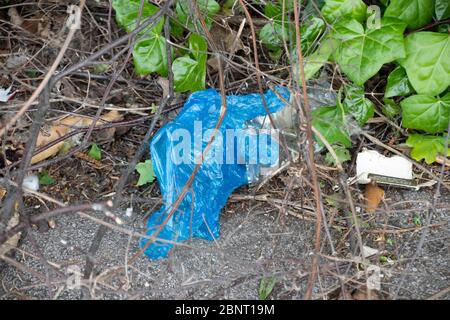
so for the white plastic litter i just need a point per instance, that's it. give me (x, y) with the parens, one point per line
(5, 95)
(368, 251)
(129, 212)
(371, 162)
(31, 182)
(371, 166)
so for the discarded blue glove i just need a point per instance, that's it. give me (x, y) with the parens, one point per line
(178, 145)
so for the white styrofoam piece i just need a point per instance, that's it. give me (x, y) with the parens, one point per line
(31, 182)
(372, 162)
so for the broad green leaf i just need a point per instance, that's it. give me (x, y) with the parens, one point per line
(150, 55)
(390, 109)
(45, 179)
(442, 9)
(362, 53)
(310, 32)
(317, 60)
(427, 62)
(338, 9)
(426, 113)
(427, 147)
(189, 74)
(186, 14)
(272, 35)
(274, 9)
(398, 84)
(95, 152)
(176, 29)
(342, 154)
(356, 103)
(189, 71)
(329, 121)
(127, 13)
(266, 286)
(146, 173)
(416, 13)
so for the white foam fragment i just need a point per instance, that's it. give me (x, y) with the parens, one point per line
(31, 182)
(372, 162)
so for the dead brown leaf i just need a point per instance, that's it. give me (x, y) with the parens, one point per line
(373, 196)
(63, 127)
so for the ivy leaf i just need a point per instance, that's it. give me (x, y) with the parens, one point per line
(146, 173)
(416, 13)
(127, 13)
(274, 9)
(342, 154)
(427, 147)
(314, 62)
(185, 12)
(273, 34)
(310, 31)
(390, 109)
(427, 62)
(442, 9)
(398, 84)
(189, 71)
(336, 9)
(95, 152)
(362, 53)
(355, 102)
(426, 113)
(329, 121)
(150, 55)
(45, 179)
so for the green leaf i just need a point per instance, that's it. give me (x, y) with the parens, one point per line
(427, 147)
(317, 60)
(185, 12)
(266, 286)
(337, 9)
(329, 121)
(442, 9)
(427, 62)
(274, 9)
(272, 35)
(390, 109)
(189, 71)
(398, 84)
(150, 55)
(95, 152)
(426, 113)
(45, 179)
(310, 31)
(342, 154)
(146, 173)
(127, 13)
(176, 29)
(355, 102)
(416, 13)
(362, 53)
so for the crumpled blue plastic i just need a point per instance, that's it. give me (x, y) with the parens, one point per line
(198, 213)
